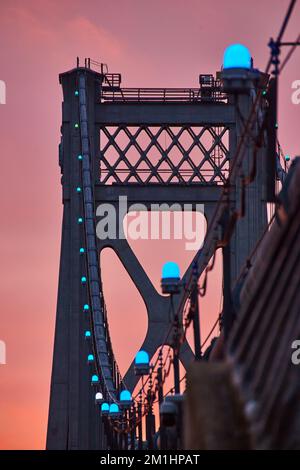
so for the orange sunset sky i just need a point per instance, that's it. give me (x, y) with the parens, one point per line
(152, 43)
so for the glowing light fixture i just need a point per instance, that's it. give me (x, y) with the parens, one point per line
(95, 379)
(141, 363)
(125, 398)
(105, 409)
(114, 410)
(99, 398)
(170, 270)
(170, 278)
(238, 75)
(237, 56)
(90, 358)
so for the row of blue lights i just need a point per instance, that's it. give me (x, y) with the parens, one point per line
(171, 272)
(87, 334)
(112, 409)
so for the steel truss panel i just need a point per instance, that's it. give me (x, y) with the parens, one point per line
(164, 154)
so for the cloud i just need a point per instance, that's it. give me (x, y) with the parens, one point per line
(43, 36)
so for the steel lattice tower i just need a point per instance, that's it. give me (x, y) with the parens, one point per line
(111, 146)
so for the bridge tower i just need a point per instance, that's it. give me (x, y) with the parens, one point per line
(111, 146)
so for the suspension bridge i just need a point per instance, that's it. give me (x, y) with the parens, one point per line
(121, 142)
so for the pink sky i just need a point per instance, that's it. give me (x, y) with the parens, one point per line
(157, 43)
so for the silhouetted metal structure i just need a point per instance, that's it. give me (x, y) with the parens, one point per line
(154, 146)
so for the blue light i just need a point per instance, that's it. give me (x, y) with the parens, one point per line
(86, 307)
(95, 379)
(76, 125)
(79, 157)
(125, 395)
(87, 334)
(80, 220)
(170, 270)
(78, 189)
(237, 56)
(142, 357)
(105, 407)
(141, 364)
(114, 408)
(83, 280)
(81, 251)
(76, 92)
(90, 358)
(287, 158)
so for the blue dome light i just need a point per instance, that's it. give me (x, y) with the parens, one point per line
(83, 280)
(76, 93)
(90, 358)
(81, 251)
(76, 125)
(95, 379)
(170, 270)
(237, 56)
(80, 220)
(78, 189)
(114, 409)
(170, 279)
(79, 157)
(87, 334)
(125, 395)
(86, 307)
(105, 408)
(142, 357)
(141, 363)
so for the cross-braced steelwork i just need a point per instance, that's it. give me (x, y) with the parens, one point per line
(164, 154)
